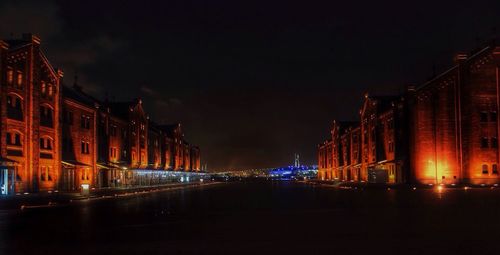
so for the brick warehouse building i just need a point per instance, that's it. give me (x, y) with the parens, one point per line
(444, 131)
(58, 137)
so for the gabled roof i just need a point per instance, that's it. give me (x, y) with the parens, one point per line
(17, 43)
(153, 126)
(79, 96)
(472, 57)
(120, 109)
(384, 102)
(343, 125)
(169, 129)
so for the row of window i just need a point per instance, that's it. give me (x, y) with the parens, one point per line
(13, 139)
(491, 142)
(85, 120)
(19, 79)
(485, 116)
(68, 146)
(15, 111)
(485, 169)
(46, 89)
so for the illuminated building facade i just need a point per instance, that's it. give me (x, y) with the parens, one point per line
(79, 139)
(455, 122)
(350, 167)
(30, 127)
(444, 131)
(56, 137)
(325, 161)
(384, 139)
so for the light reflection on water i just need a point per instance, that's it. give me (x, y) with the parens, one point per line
(257, 216)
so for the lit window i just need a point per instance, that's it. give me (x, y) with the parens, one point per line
(19, 80)
(51, 90)
(43, 87)
(10, 76)
(13, 139)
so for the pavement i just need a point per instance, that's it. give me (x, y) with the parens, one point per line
(45, 199)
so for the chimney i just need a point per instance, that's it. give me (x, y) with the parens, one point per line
(460, 58)
(410, 88)
(31, 38)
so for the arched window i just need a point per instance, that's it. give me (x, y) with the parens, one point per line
(494, 169)
(14, 141)
(14, 138)
(46, 143)
(485, 169)
(84, 147)
(14, 107)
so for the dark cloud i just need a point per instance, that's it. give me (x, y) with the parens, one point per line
(253, 82)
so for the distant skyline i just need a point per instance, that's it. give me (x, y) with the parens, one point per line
(252, 83)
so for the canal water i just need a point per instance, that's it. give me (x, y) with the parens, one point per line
(264, 218)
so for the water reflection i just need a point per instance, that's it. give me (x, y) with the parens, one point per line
(261, 218)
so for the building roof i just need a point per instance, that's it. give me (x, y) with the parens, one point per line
(473, 56)
(384, 102)
(169, 129)
(120, 109)
(76, 94)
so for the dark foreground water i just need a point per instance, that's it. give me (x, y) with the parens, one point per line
(264, 218)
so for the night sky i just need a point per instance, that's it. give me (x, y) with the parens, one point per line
(253, 82)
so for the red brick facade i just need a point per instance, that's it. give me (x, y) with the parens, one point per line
(30, 103)
(455, 123)
(442, 132)
(371, 149)
(58, 137)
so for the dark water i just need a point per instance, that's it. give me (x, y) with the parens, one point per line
(264, 218)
